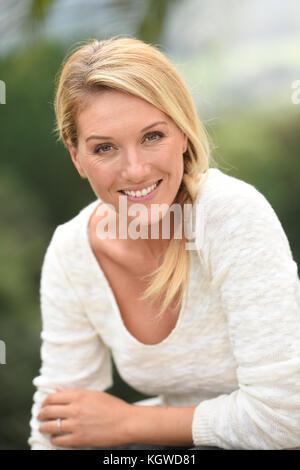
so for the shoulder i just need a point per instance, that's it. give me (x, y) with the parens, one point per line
(236, 215)
(224, 198)
(219, 188)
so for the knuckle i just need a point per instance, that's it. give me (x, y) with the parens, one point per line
(74, 426)
(79, 394)
(76, 411)
(77, 425)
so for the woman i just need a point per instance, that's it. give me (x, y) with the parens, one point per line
(207, 322)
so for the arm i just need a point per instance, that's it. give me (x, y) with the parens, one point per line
(72, 353)
(252, 268)
(162, 425)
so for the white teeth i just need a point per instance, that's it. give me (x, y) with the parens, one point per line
(144, 192)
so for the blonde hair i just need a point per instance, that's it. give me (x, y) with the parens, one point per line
(130, 65)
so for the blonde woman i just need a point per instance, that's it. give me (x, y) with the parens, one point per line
(208, 323)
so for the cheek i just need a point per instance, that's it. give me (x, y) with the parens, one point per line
(98, 175)
(102, 182)
(172, 165)
(173, 158)
(179, 165)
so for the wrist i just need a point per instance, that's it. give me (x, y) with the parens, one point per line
(130, 434)
(133, 425)
(161, 425)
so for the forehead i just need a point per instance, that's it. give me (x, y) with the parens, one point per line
(111, 110)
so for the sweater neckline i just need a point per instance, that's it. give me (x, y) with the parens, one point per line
(98, 273)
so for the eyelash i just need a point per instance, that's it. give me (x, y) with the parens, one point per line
(160, 134)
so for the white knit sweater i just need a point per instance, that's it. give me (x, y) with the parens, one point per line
(235, 350)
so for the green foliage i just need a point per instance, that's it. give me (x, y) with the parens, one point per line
(28, 144)
(40, 8)
(22, 242)
(151, 26)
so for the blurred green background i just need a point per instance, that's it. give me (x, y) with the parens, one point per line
(239, 61)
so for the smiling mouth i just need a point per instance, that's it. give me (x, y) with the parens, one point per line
(141, 195)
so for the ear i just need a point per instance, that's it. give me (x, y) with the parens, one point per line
(74, 156)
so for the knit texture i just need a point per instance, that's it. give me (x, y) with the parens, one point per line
(234, 352)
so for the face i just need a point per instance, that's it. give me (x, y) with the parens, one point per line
(124, 143)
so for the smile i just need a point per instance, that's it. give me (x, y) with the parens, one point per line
(143, 195)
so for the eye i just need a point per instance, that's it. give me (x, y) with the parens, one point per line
(156, 133)
(101, 147)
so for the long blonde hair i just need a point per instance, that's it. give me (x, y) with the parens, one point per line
(130, 65)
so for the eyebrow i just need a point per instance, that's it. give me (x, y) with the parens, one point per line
(107, 137)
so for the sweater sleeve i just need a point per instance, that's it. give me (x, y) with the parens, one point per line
(72, 352)
(252, 267)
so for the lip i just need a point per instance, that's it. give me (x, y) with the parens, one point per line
(144, 198)
(141, 187)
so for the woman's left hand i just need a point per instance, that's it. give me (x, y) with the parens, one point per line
(88, 418)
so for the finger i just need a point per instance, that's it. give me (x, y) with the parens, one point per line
(51, 427)
(66, 440)
(62, 397)
(53, 412)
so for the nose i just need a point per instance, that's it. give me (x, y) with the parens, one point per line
(134, 168)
